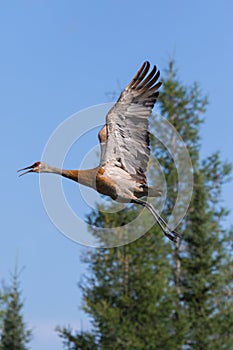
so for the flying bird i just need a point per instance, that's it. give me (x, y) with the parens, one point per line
(124, 143)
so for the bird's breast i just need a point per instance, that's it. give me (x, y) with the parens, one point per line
(115, 182)
(105, 185)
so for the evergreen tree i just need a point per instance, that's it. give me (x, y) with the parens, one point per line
(3, 297)
(204, 265)
(15, 334)
(201, 259)
(153, 295)
(77, 341)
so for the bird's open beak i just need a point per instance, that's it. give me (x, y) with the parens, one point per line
(28, 171)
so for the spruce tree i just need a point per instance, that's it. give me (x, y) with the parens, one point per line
(77, 341)
(202, 258)
(151, 294)
(205, 260)
(3, 297)
(15, 335)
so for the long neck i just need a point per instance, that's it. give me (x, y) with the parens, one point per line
(84, 177)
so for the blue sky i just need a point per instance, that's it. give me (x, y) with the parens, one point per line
(59, 57)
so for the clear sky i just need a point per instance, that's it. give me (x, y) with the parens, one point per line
(58, 57)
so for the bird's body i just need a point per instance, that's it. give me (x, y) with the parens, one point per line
(125, 151)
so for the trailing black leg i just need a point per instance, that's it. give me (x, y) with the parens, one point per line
(171, 234)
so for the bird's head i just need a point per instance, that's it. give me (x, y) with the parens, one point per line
(37, 167)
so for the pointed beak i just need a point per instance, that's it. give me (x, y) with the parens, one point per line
(26, 172)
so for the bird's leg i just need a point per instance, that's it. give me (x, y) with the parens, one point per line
(171, 234)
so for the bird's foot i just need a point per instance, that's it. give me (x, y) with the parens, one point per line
(172, 235)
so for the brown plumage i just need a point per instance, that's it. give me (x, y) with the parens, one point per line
(125, 151)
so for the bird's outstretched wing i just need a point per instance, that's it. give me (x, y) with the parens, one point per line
(125, 137)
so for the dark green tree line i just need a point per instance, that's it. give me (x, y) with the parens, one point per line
(151, 294)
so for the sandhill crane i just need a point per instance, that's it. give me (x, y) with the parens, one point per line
(124, 142)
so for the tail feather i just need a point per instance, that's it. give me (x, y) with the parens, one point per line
(151, 191)
(154, 191)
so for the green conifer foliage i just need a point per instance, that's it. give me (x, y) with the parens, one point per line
(14, 335)
(152, 294)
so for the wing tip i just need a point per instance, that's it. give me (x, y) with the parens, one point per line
(139, 76)
(144, 81)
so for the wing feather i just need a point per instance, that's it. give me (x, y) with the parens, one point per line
(127, 135)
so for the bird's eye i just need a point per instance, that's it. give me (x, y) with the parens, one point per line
(37, 164)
